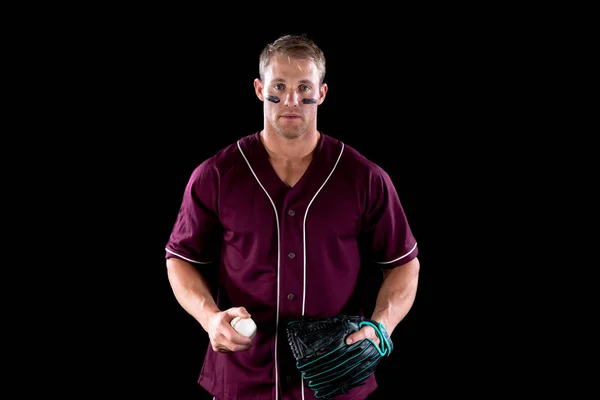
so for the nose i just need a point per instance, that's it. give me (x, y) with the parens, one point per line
(292, 99)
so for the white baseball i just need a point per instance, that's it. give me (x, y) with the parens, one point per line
(245, 326)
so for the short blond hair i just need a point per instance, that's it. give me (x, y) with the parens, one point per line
(295, 46)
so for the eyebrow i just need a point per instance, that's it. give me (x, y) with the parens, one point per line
(305, 81)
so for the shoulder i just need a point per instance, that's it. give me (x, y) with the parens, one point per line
(352, 161)
(224, 159)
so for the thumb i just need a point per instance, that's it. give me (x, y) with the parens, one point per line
(354, 337)
(239, 312)
(365, 332)
(243, 312)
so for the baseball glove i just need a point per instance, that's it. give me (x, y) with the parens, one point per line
(328, 365)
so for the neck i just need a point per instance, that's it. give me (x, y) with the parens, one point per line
(290, 150)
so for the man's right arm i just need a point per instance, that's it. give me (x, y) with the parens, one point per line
(191, 290)
(193, 293)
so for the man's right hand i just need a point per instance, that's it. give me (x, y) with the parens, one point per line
(223, 338)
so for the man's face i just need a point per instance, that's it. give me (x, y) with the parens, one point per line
(291, 95)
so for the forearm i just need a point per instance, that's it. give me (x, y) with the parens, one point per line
(191, 290)
(397, 294)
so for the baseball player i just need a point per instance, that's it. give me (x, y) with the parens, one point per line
(291, 221)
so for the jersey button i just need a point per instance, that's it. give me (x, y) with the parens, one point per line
(291, 296)
(292, 255)
(292, 213)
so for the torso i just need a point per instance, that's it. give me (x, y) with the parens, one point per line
(289, 239)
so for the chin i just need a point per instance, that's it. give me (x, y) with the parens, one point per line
(291, 135)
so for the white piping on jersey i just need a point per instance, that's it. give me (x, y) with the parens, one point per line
(304, 242)
(389, 262)
(188, 259)
(279, 256)
(275, 361)
(304, 231)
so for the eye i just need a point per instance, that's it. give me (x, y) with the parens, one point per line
(304, 88)
(279, 86)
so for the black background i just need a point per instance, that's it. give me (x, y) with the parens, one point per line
(472, 109)
(146, 97)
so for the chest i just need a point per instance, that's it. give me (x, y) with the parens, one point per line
(290, 174)
(255, 210)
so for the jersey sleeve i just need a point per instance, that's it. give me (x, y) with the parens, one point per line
(388, 235)
(195, 234)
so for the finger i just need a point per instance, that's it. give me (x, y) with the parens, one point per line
(219, 348)
(234, 339)
(222, 348)
(237, 339)
(243, 310)
(230, 340)
(237, 312)
(366, 332)
(243, 313)
(241, 347)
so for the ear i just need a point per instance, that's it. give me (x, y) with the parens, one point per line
(258, 89)
(322, 93)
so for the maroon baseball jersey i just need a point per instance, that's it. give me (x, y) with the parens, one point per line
(283, 252)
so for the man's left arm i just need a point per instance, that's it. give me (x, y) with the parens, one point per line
(394, 300)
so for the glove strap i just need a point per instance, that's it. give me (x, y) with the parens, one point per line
(385, 341)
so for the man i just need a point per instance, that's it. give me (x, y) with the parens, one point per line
(294, 222)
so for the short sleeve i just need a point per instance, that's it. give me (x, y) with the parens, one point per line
(387, 232)
(195, 234)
